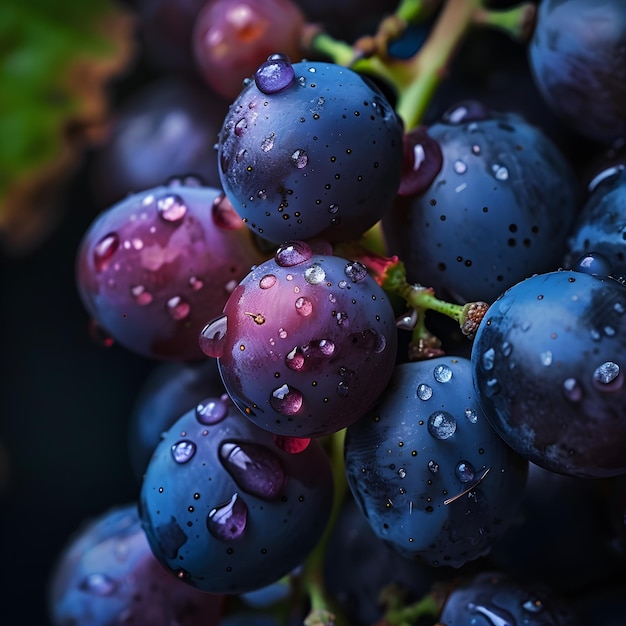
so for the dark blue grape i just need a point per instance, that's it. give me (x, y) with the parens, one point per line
(427, 469)
(321, 156)
(496, 212)
(496, 599)
(226, 510)
(548, 362)
(107, 575)
(359, 567)
(170, 390)
(306, 343)
(600, 226)
(577, 56)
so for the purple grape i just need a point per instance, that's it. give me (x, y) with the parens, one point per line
(107, 575)
(225, 509)
(548, 362)
(152, 268)
(319, 157)
(427, 469)
(165, 128)
(306, 342)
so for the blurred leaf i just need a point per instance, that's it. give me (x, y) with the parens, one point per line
(56, 59)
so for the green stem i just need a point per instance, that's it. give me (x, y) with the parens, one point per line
(313, 578)
(517, 22)
(428, 606)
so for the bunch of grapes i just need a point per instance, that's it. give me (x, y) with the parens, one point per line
(379, 276)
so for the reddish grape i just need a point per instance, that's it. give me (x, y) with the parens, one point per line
(306, 343)
(153, 268)
(232, 38)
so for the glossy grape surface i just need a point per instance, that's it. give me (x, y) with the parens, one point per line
(154, 267)
(319, 157)
(306, 342)
(548, 361)
(428, 471)
(225, 509)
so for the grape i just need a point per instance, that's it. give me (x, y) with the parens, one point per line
(428, 471)
(547, 361)
(585, 84)
(226, 510)
(601, 224)
(496, 211)
(491, 598)
(231, 38)
(152, 268)
(172, 389)
(165, 128)
(107, 575)
(310, 150)
(306, 342)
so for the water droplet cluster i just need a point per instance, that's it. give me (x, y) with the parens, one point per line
(219, 494)
(427, 469)
(306, 343)
(151, 268)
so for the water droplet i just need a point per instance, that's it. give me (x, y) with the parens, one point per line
(442, 373)
(333, 209)
(475, 149)
(292, 445)
(228, 521)
(178, 308)
(471, 415)
(424, 391)
(224, 215)
(241, 127)
(99, 585)
(433, 466)
(355, 271)
(104, 250)
(268, 142)
(609, 331)
(546, 358)
(140, 295)
(275, 74)
(342, 284)
(323, 348)
(507, 348)
(304, 307)
(342, 389)
(402, 472)
(195, 283)
(295, 359)
(211, 411)
(608, 376)
(572, 390)
(492, 387)
(533, 606)
(488, 358)
(441, 425)
(467, 111)
(254, 468)
(293, 253)
(299, 159)
(183, 451)
(341, 318)
(282, 333)
(460, 167)
(212, 337)
(500, 172)
(171, 208)
(465, 471)
(286, 400)
(267, 281)
(315, 274)
(619, 308)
